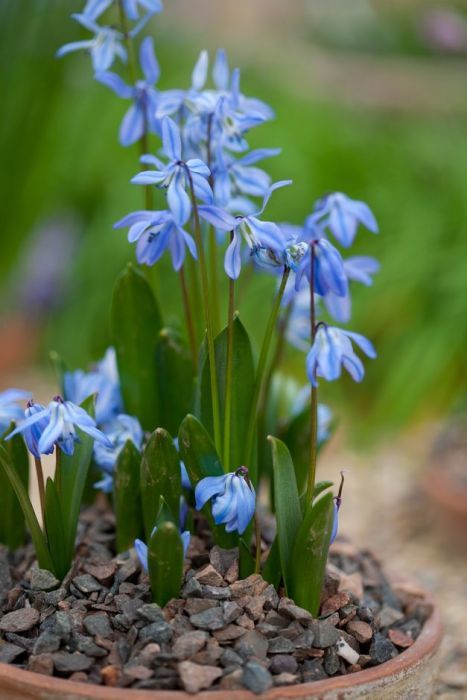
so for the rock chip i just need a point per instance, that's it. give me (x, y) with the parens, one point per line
(42, 663)
(98, 624)
(324, 634)
(159, 632)
(283, 663)
(229, 633)
(66, 663)
(209, 576)
(43, 580)
(335, 603)
(280, 645)
(287, 608)
(312, 670)
(46, 643)
(382, 649)
(189, 644)
(360, 630)
(195, 677)
(9, 652)
(252, 644)
(87, 584)
(222, 559)
(256, 678)
(400, 639)
(232, 680)
(104, 573)
(210, 619)
(192, 589)
(331, 662)
(20, 620)
(150, 612)
(253, 585)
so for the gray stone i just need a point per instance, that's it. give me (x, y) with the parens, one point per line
(280, 645)
(159, 632)
(189, 644)
(382, 649)
(312, 670)
(232, 680)
(252, 644)
(43, 663)
(6, 582)
(331, 661)
(231, 611)
(304, 640)
(222, 559)
(98, 624)
(256, 678)
(210, 619)
(87, 646)
(253, 585)
(209, 576)
(87, 584)
(229, 633)
(287, 608)
(66, 663)
(283, 663)
(63, 625)
(195, 677)
(150, 612)
(325, 635)
(43, 580)
(47, 643)
(192, 589)
(230, 658)
(388, 616)
(216, 592)
(20, 620)
(9, 652)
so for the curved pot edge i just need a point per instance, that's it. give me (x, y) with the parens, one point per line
(26, 685)
(441, 491)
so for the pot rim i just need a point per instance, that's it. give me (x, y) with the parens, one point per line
(424, 647)
(451, 495)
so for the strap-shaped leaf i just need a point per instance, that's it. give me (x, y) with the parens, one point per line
(160, 476)
(310, 554)
(135, 323)
(286, 505)
(272, 567)
(56, 536)
(199, 455)
(37, 536)
(127, 497)
(165, 563)
(74, 471)
(243, 373)
(12, 526)
(175, 379)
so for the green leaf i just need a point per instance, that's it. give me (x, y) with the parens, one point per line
(127, 497)
(321, 486)
(12, 526)
(160, 476)
(310, 554)
(135, 322)
(272, 567)
(72, 479)
(56, 535)
(286, 505)
(199, 455)
(243, 373)
(37, 536)
(165, 563)
(60, 368)
(175, 379)
(246, 560)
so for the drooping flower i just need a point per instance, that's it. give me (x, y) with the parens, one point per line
(254, 232)
(33, 434)
(141, 548)
(332, 349)
(341, 215)
(177, 175)
(63, 417)
(140, 117)
(121, 429)
(328, 269)
(233, 499)
(103, 381)
(336, 507)
(104, 47)
(234, 177)
(155, 232)
(358, 269)
(10, 410)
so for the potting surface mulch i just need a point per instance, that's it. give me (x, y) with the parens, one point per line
(100, 625)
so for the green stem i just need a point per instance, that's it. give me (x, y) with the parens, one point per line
(262, 366)
(314, 393)
(212, 242)
(195, 295)
(228, 380)
(58, 469)
(189, 318)
(258, 544)
(208, 318)
(40, 486)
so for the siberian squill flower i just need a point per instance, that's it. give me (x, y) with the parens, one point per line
(233, 499)
(10, 410)
(103, 381)
(254, 232)
(95, 8)
(358, 268)
(33, 434)
(141, 548)
(237, 176)
(104, 47)
(332, 349)
(155, 232)
(176, 176)
(62, 419)
(341, 215)
(328, 269)
(120, 430)
(140, 118)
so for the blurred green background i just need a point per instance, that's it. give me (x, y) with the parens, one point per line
(370, 100)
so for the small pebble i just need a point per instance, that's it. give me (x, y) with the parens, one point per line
(256, 678)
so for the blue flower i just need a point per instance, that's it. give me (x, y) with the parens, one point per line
(103, 381)
(142, 548)
(255, 233)
(63, 417)
(233, 499)
(328, 269)
(140, 118)
(10, 410)
(33, 434)
(358, 269)
(118, 432)
(176, 176)
(237, 176)
(341, 215)
(104, 47)
(332, 349)
(155, 232)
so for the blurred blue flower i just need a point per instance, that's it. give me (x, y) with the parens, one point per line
(104, 47)
(154, 233)
(176, 175)
(341, 215)
(332, 349)
(237, 176)
(141, 548)
(233, 499)
(328, 269)
(33, 434)
(140, 118)
(10, 410)
(118, 431)
(63, 417)
(255, 233)
(103, 381)
(358, 269)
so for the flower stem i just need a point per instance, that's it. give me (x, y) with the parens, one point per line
(229, 378)
(212, 236)
(189, 318)
(58, 469)
(208, 318)
(314, 392)
(258, 544)
(262, 366)
(40, 485)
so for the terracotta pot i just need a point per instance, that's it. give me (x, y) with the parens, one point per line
(448, 499)
(409, 675)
